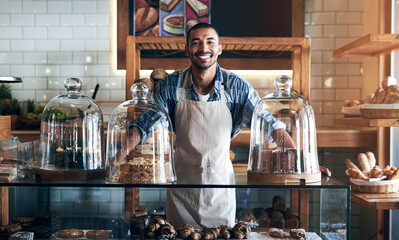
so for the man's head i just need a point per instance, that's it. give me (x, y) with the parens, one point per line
(203, 46)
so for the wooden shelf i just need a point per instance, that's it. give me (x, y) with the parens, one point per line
(371, 45)
(377, 201)
(364, 122)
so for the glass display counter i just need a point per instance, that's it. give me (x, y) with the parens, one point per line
(322, 209)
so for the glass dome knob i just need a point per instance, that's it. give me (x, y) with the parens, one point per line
(139, 91)
(283, 84)
(73, 85)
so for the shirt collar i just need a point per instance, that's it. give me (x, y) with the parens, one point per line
(218, 79)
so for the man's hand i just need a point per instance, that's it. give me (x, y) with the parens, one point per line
(325, 171)
(283, 139)
(132, 138)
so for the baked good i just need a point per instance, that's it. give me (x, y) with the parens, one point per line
(174, 24)
(355, 173)
(23, 221)
(276, 232)
(168, 5)
(363, 162)
(279, 204)
(158, 74)
(297, 233)
(98, 234)
(70, 233)
(199, 8)
(277, 220)
(145, 18)
(376, 172)
(22, 236)
(371, 159)
(190, 23)
(349, 164)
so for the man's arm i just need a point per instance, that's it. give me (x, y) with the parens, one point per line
(132, 139)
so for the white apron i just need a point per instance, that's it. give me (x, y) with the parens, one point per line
(202, 146)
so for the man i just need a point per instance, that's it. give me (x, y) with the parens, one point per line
(208, 106)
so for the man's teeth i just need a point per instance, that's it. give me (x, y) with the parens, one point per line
(203, 57)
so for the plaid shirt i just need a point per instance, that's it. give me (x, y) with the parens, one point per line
(241, 99)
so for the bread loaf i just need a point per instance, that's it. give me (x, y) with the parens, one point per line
(145, 18)
(371, 159)
(377, 94)
(363, 162)
(349, 164)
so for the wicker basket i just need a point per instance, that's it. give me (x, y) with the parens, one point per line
(383, 186)
(380, 111)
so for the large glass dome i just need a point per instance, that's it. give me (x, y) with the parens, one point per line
(71, 136)
(151, 161)
(269, 160)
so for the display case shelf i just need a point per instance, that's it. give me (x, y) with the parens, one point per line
(364, 122)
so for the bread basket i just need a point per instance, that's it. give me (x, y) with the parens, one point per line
(383, 186)
(380, 110)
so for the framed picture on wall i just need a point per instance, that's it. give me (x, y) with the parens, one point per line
(197, 11)
(172, 17)
(146, 18)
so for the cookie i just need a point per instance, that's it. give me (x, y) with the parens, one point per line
(98, 234)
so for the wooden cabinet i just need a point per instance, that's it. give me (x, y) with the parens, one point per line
(374, 45)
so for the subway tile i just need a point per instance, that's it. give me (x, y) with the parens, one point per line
(97, 19)
(100, 196)
(149, 196)
(316, 56)
(22, 45)
(22, 70)
(5, 45)
(56, 83)
(5, 70)
(59, 57)
(83, 208)
(47, 70)
(22, 20)
(72, 20)
(335, 5)
(85, 57)
(72, 70)
(322, 69)
(322, 95)
(65, 209)
(117, 95)
(34, 83)
(104, 6)
(47, 45)
(323, 44)
(332, 107)
(355, 82)
(60, 32)
(84, 32)
(335, 31)
(4, 20)
(329, 58)
(342, 41)
(34, 32)
(34, 7)
(34, 58)
(88, 83)
(110, 82)
(97, 45)
(104, 58)
(313, 5)
(103, 32)
(325, 120)
(112, 210)
(84, 6)
(343, 94)
(72, 45)
(356, 31)
(118, 195)
(45, 96)
(59, 6)
(102, 96)
(335, 82)
(348, 69)
(10, 32)
(314, 31)
(10, 7)
(47, 19)
(356, 5)
(321, 18)
(317, 107)
(349, 18)
(315, 82)
(107, 107)
(23, 95)
(10, 58)
(97, 70)
(307, 18)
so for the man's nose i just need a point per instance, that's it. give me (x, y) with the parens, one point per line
(202, 46)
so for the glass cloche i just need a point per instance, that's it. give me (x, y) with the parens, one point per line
(270, 159)
(151, 160)
(71, 136)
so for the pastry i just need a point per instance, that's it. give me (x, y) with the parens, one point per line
(174, 24)
(199, 8)
(376, 172)
(297, 233)
(70, 233)
(145, 18)
(349, 164)
(363, 162)
(98, 234)
(276, 232)
(355, 173)
(371, 159)
(158, 74)
(391, 97)
(377, 92)
(168, 5)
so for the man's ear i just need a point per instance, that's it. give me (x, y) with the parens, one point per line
(220, 49)
(186, 51)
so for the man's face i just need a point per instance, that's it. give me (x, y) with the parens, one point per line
(203, 48)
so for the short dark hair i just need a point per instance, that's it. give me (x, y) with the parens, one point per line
(198, 26)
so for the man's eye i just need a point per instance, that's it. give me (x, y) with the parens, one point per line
(194, 43)
(211, 42)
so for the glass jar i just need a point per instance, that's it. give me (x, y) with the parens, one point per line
(151, 160)
(71, 136)
(269, 159)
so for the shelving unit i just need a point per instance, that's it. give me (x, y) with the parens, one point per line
(374, 45)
